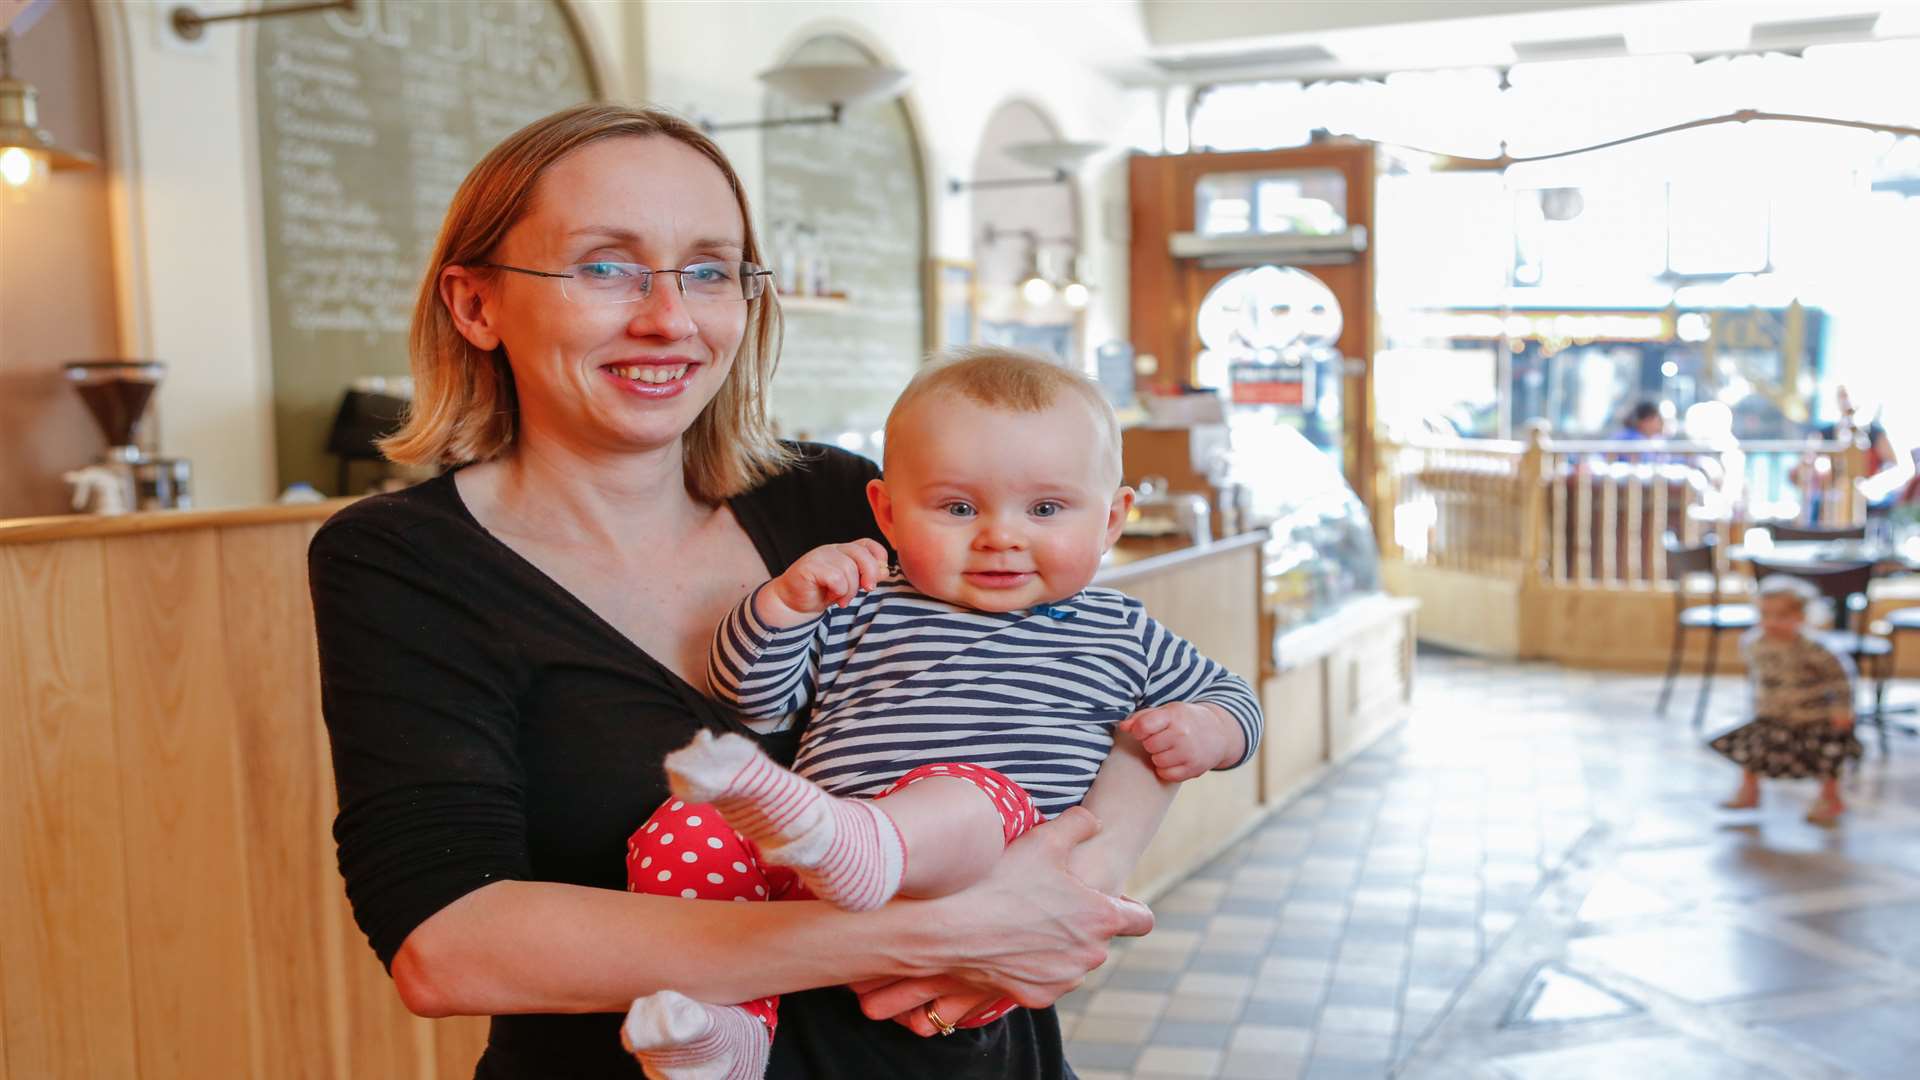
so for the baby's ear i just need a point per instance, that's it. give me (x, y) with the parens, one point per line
(882, 505)
(1117, 514)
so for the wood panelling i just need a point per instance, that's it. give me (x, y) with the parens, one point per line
(179, 776)
(64, 963)
(167, 874)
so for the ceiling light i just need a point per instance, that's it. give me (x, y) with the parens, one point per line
(1060, 158)
(1075, 294)
(27, 150)
(1036, 290)
(833, 87)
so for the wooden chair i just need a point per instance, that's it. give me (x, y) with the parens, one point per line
(1714, 617)
(1844, 585)
(1899, 624)
(1784, 533)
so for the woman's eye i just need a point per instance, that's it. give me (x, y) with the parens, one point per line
(1046, 509)
(959, 509)
(604, 271)
(707, 273)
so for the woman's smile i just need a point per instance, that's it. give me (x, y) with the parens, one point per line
(653, 379)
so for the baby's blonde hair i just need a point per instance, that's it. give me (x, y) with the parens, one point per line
(1009, 379)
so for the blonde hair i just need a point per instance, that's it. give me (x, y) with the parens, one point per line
(1010, 379)
(1795, 591)
(464, 407)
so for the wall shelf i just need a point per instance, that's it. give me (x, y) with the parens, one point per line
(816, 303)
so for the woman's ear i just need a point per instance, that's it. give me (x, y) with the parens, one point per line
(468, 301)
(882, 504)
(1117, 514)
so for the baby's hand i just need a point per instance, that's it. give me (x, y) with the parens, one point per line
(820, 579)
(1186, 739)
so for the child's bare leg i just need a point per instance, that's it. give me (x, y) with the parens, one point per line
(1830, 793)
(1748, 796)
(952, 830)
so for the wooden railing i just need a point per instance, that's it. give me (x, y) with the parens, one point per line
(1596, 512)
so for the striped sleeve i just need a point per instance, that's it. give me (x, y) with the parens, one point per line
(765, 672)
(1176, 671)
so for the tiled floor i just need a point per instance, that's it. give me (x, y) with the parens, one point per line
(1530, 880)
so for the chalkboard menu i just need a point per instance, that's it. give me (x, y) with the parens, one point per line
(369, 120)
(855, 190)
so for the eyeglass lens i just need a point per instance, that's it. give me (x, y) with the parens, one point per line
(700, 282)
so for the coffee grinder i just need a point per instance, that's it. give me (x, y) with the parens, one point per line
(117, 393)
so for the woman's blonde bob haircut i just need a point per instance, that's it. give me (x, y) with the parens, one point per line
(464, 406)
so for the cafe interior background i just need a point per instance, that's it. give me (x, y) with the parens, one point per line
(1375, 335)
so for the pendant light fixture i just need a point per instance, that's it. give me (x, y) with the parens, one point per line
(27, 150)
(832, 87)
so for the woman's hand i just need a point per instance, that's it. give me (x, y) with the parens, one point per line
(827, 575)
(1029, 931)
(953, 1000)
(1186, 739)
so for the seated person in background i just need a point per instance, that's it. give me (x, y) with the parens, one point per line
(1644, 422)
(954, 702)
(1802, 705)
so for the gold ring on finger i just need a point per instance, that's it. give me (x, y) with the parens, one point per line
(934, 1019)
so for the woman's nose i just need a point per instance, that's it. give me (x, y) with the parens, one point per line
(662, 313)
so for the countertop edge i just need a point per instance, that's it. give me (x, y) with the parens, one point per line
(92, 527)
(1114, 577)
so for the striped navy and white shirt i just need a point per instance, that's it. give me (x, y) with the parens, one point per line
(897, 679)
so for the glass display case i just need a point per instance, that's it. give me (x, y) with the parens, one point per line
(1321, 555)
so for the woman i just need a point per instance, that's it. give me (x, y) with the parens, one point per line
(509, 650)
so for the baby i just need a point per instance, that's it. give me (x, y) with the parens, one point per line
(954, 705)
(1802, 705)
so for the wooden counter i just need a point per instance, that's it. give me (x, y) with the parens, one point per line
(168, 885)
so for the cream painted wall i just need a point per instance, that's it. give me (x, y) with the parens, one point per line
(966, 59)
(188, 234)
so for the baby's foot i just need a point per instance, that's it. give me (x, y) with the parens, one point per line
(1741, 800)
(846, 851)
(678, 1038)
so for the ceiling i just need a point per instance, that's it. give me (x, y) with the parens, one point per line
(1200, 41)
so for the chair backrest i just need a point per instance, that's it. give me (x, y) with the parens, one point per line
(1839, 583)
(1682, 561)
(1788, 533)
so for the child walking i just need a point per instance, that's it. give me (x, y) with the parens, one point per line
(954, 704)
(1802, 705)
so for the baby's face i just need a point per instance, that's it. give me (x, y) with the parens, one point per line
(998, 510)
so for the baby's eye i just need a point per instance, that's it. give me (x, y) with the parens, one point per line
(959, 509)
(1045, 509)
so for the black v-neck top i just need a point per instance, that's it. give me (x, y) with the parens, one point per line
(487, 725)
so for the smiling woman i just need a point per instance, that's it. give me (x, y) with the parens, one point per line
(509, 651)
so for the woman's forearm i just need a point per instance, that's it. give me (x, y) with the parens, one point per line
(1029, 930)
(522, 946)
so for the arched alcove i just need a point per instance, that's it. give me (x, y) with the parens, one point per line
(845, 216)
(1015, 228)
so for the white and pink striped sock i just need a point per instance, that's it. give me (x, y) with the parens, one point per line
(846, 851)
(678, 1038)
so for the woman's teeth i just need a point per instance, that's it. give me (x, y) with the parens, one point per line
(650, 373)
